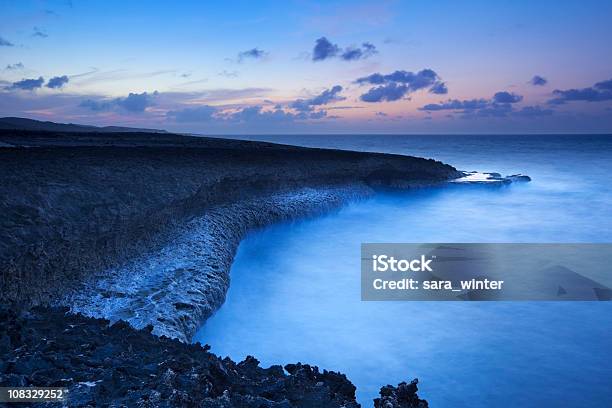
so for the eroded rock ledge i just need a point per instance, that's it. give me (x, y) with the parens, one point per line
(76, 207)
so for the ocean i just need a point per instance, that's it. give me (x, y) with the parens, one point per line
(295, 287)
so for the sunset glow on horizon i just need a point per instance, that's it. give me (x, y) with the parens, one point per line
(306, 67)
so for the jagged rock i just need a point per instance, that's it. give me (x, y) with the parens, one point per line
(402, 396)
(104, 364)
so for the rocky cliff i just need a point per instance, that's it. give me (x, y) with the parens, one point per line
(90, 220)
(75, 206)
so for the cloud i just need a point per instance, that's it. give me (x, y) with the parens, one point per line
(39, 33)
(439, 88)
(28, 84)
(253, 53)
(325, 97)
(500, 105)
(13, 67)
(134, 103)
(601, 91)
(506, 97)
(57, 82)
(256, 114)
(203, 113)
(354, 53)
(396, 85)
(324, 49)
(604, 85)
(389, 93)
(533, 112)
(96, 106)
(5, 43)
(455, 104)
(538, 81)
(251, 115)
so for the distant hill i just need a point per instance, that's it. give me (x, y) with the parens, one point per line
(31, 124)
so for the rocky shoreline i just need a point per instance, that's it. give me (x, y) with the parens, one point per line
(87, 219)
(120, 366)
(78, 207)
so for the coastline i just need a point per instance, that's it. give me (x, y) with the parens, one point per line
(79, 205)
(81, 212)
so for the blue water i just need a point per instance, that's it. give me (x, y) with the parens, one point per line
(295, 293)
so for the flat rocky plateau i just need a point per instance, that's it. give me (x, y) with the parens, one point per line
(86, 217)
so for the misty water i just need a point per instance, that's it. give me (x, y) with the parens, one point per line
(295, 289)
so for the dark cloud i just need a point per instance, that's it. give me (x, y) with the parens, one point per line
(253, 53)
(57, 82)
(202, 113)
(416, 81)
(506, 97)
(28, 84)
(324, 49)
(455, 104)
(439, 88)
(16, 66)
(538, 81)
(325, 97)
(389, 93)
(396, 85)
(39, 33)
(604, 85)
(501, 104)
(134, 103)
(601, 91)
(5, 43)
(353, 53)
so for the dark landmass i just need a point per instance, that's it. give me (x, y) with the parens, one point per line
(12, 123)
(116, 365)
(75, 205)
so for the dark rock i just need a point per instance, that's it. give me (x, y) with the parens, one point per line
(402, 396)
(153, 371)
(517, 178)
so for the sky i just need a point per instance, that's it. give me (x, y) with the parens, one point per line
(298, 67)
